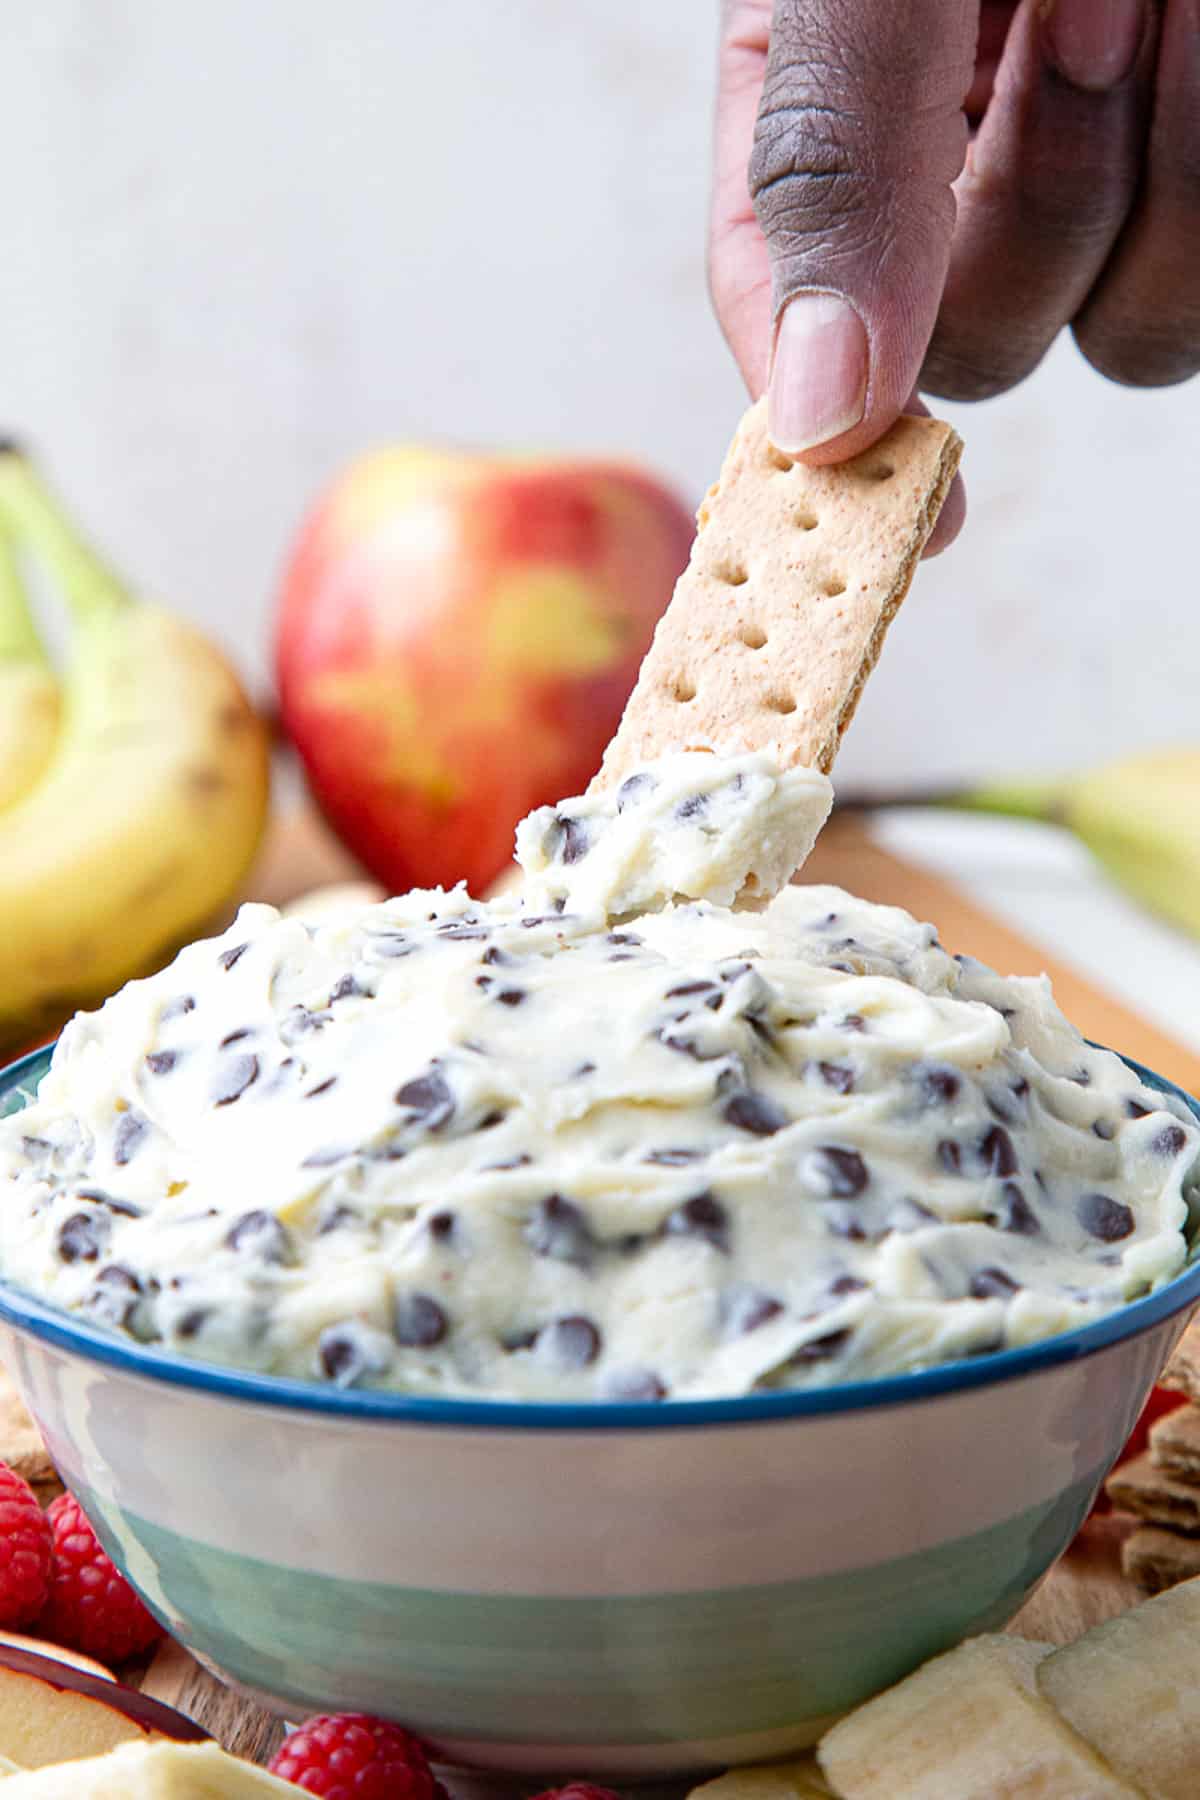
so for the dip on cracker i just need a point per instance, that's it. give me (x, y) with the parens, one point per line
(658, 1126)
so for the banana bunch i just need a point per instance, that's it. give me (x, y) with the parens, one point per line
(1139, 817)
(132, 797)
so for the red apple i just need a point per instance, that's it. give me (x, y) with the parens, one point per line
(457, 636)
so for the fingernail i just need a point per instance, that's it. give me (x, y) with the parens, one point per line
(1094, 43)
(818, 386)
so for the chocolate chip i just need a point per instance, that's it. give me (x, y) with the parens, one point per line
(694, 807)
(511, 996)
(236, 1037)
(847, 1284)
(1104, 1218)
(81, 1237)
(843, 1222)
(672, 1038)
(949, 1155)
(345, 1355)
(686, 988)
(326, 1156)
(742, 1308)
(1170, 1141)
(830, 1169)
(193, 1321)
(227, 958)
(490, 1120)
(348, 989)
(322, 1087)
(571, 841)
(461, 934)
(624, 937)
(573, 1342)
(838, 1076)
(260, 1234)
(129, 1133)
(392, 945)
(673, 1159)
(114, 1296)
(853, 1021)
(992, 1284)
(509, 1162)
(818, 1348)
(496, 957)
(582, 1069)
(337, 1218)
(559, 1229)
(175, 1009)
(124, 1208)
(1136, 1110)
(702, 1216)
(234, 1076)
(1015, 1213)
(633, 789)
(635, 1384)
(997, 1153)
(754, 1112)
(909, 1215)
(418, 1321)
(161, 1062)
(1081, 1078)
(442, 1226)
(428, 1098)
(1104, 1128)
(298, 1021)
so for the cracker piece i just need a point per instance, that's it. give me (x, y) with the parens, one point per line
(1158, 1559)
(778, 619)
(1175, 1443)
(1130, 1688)
(1138, 1486)
(796, 1780)
(21, 1445)
(1182, 1373)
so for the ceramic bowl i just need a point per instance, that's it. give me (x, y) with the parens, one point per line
(615, 1590)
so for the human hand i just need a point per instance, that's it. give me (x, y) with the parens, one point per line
(879, 244)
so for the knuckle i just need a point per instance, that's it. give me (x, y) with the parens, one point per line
(977, 367)
(1141, 354)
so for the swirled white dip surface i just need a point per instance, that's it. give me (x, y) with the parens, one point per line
(528, 1148)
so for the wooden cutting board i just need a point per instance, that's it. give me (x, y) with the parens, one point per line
(1086, 1586)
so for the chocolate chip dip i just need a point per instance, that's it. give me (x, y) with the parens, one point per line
(544, 1147)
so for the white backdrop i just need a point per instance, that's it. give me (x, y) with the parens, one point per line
(242, 242)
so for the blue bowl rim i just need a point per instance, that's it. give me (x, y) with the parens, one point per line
(24, 1313)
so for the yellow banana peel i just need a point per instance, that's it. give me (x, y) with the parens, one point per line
(144, 815)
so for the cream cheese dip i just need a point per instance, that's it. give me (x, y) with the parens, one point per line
(558, 1146)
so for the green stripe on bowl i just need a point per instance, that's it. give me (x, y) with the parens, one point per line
(631, 1669)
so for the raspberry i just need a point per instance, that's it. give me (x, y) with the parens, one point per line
(92, 1608)
(577, 1790)
(350, 1756)
(26, 1551)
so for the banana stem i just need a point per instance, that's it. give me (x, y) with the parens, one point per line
(1045, 800)
(19, 640)
(89, 587)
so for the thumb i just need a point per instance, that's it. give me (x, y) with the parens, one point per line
(860, 134)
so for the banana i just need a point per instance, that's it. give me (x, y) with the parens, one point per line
(29, 692)
(1139, 817)
(151, 804)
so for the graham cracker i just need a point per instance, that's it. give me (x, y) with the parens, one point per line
(1137, 1486)
(1175, 1443)
(1182, 1372)
(1158, 1559)
(779, 617)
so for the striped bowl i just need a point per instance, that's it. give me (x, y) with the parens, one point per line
(628, 1590)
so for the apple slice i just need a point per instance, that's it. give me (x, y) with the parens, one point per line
(158, 1771)
(12, 1640)
(52, 1712)
(969, 1725)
